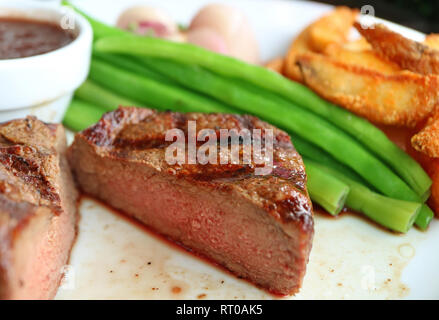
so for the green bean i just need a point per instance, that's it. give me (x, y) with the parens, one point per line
(153, 93)
(397, 215)
(93, 93)
(307, 149)
(326, 190)
(318, 155)
(424, 218)
(361, 129)
(130, 64)
(80, 115)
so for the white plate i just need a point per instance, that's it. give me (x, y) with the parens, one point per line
(351, 258)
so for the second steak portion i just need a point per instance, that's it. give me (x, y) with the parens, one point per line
(258, 227)
(37, 209)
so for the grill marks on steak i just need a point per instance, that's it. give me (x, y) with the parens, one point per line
(27, 151)
(259, 227)
(139, 133)
(30, 166)
(37, 208)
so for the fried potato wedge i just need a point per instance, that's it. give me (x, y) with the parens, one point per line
(276, 65)
(408, 54)
(432, 40)
(401, 99)
(363, 58)
(299, 46)
(331, 28)
(427, 140)
(360, 44)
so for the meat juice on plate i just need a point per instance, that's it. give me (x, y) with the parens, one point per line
(116, 259)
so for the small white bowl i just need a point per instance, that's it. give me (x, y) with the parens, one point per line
(43, 85)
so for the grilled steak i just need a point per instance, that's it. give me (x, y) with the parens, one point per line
(37, 209)
(260, 227)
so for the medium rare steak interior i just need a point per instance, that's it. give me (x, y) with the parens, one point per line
(258, 227)
(37, 209)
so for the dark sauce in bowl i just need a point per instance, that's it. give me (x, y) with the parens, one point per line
(21, 38)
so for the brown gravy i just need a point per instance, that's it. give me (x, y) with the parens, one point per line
(21, 38)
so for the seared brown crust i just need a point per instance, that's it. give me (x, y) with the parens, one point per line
(28, 161)
(29, 166)
(137, 133)
(32, 185)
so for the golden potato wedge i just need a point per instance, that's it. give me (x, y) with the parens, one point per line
(331, 28)
(360, 44)
(363, 58)
(432, 40)
(408, 54)
(276, 64)
(402, 99)
(300, 45)
(427, 140)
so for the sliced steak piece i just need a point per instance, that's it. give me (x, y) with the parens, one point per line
(37, 209)
(258, 227)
